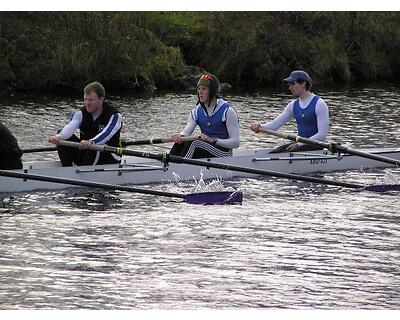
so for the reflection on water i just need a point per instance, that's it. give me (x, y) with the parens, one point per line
(290, 245)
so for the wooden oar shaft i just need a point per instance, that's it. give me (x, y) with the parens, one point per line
(177, 159)
(333, 147)
(124, 143)
(39, 149)
(157, 141)
(27, 176)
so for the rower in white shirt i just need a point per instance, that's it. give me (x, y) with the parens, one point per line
(218, 122)
(309, 110)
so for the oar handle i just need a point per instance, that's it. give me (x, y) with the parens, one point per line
(296, 138)
(94, 147)
(278, 134)
(101, 147)
(156, 141)
(123, 143)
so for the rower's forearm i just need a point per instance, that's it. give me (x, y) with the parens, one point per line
(229, 143)
(277, 122)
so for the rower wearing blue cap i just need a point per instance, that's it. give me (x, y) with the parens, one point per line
(309, 110)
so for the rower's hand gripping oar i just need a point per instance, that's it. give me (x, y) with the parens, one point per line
(192, 198)
(209, 164)
(332, 147)
(123, 143)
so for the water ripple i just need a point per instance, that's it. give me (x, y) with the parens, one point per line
(289, 245)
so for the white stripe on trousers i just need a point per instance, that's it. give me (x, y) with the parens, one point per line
(207, 147)
(97, 158)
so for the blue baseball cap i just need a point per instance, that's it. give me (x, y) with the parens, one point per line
(297, 75)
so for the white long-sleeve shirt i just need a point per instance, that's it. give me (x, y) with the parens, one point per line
(232, 124)
(102, 137)
(321, 111)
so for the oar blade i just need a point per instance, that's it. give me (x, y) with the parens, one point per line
(383, 187)
(223, 197)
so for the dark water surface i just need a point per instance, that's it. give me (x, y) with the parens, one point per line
(289, 245)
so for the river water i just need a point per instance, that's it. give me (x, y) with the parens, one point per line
(289, 245)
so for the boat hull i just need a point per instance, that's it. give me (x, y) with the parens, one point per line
(136, 171)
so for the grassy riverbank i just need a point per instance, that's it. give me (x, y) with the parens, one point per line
(138, 51)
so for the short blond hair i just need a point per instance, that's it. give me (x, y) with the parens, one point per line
(95, 87)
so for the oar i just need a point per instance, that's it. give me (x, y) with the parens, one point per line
(177, 159)
(156, 141)
(192, 198)
(123, 143)
(39, 149)
(331, 146)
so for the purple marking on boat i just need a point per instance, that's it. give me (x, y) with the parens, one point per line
(383, 187)
(223, 197)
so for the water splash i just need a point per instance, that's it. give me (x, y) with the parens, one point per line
(215, 185)
(177, 177)
(388, 178)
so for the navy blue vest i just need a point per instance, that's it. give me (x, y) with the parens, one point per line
(213, 126)
(306, 119)
(89, 128)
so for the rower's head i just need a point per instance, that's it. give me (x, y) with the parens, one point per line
(94, 95)
(299, 81)
(207, 88)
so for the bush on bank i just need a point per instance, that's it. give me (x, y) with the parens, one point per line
(139, 51)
